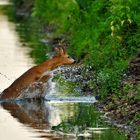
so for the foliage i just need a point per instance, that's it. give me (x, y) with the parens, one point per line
(103, 33)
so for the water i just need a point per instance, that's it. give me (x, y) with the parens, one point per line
(47, 120)
(13, 59)
(4, 2)
(58, 117)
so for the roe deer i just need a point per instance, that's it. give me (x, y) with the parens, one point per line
(37, 74)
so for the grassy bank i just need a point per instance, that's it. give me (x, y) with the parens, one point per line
(104, 34)
(100, 33)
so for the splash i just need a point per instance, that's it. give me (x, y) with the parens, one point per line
(82, 99)
(56, 92)
(5, 76)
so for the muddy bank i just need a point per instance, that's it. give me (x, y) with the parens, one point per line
(124, 110)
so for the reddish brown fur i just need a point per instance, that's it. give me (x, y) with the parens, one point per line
(35, 74)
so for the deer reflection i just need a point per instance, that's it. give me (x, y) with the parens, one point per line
(64, 121)
(31, 113)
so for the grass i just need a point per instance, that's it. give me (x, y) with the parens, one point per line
(100, 33)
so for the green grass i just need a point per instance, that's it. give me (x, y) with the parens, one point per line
(100, 33)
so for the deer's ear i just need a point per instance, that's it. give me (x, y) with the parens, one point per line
(57, 50)
(64, 50)
(62, 45)
(60, 50)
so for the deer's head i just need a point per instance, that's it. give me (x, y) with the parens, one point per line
(62, 57)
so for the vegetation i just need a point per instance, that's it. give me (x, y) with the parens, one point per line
(103, 34)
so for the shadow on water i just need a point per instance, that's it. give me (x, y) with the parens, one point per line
(61, 120)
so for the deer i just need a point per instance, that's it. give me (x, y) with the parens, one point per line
(37, 74)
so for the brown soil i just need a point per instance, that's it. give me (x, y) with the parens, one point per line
(124, 109)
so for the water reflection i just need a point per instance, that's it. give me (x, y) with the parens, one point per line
(14, 60)
(61, 120)
(4, 2)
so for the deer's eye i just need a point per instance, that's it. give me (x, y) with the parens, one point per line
(68, 57)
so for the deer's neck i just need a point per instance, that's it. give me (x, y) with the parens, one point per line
(49, 65)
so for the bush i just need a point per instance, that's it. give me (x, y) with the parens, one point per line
(104, 34)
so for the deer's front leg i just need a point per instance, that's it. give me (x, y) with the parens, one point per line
(45, 77)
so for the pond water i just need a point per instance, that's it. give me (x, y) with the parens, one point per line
(66, 118)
